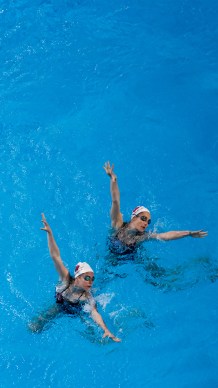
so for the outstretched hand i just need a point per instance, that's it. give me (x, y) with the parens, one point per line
(108, 334)
(198, 233)
(110, 170)
(46, 227)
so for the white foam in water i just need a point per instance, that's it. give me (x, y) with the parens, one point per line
(104, 299)
(15, 291)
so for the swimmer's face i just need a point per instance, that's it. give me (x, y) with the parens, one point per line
(141, 221)
(85, 281)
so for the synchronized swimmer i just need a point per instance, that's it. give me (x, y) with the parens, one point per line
(127, 235)
(74, 293)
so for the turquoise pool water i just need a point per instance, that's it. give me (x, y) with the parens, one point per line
(136, 83)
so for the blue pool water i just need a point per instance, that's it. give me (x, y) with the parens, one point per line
(136, 83)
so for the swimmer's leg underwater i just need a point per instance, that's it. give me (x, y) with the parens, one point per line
(44, 320)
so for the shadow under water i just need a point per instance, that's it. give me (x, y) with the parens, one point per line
(178, 278)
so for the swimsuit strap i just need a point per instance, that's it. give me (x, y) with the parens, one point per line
(80, 295)
(68, 284)
(123, 226)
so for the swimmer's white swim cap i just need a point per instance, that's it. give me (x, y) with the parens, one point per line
(137, 210)
(82, 267)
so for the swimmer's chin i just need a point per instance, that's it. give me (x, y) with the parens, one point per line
(142, 229)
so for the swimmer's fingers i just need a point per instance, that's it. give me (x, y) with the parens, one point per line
(111, 336)
(46, 225)
(116, 339)
(45, 228)
(107, 168)
(43, 217)
(198, 233)
(43, 220)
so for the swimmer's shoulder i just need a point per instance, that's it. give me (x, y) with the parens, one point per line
(121, 227)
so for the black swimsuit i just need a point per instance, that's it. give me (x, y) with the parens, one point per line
(72, 308)
(66, 305)
(119, 248)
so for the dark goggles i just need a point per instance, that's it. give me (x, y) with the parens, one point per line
(144, 218)
(87, 278)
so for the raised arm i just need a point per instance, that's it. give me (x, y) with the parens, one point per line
(116, 216)
(98, 319)
(175, 235)
(54, 251)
